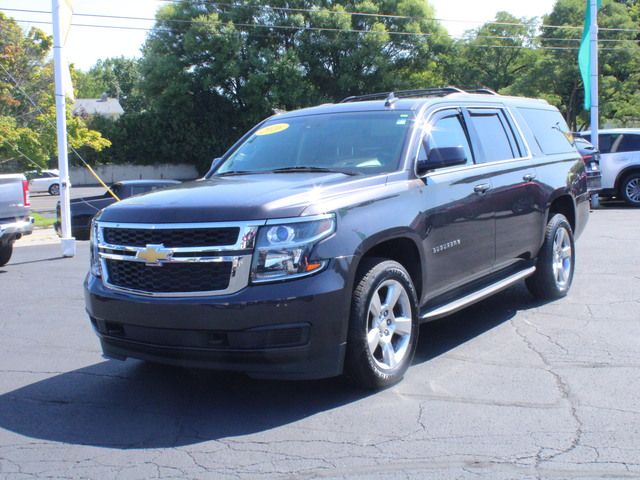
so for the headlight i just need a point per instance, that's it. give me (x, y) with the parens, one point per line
(96, 268)
(283, 250)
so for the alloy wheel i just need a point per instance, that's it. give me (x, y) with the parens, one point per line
(389, 325)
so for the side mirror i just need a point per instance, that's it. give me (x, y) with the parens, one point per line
(441, 158)
(215, 163)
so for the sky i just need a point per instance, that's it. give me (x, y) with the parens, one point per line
(86, 45)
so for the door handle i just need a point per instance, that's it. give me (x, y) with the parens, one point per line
(482, 188)
(528, 177)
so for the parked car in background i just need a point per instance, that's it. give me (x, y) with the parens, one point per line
(14, 213)
(83, 209)
(591, 158)
(619, 163)
(44, 181)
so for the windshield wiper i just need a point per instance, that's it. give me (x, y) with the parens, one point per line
(303, 168)
(234, 172)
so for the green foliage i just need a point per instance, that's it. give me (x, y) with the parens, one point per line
(117, 77)
(209, 71)
(496, 54)
(27, 131)
(555, 75)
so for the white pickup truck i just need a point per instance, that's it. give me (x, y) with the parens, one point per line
(14, 213)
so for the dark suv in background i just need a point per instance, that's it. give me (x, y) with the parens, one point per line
(325, 236)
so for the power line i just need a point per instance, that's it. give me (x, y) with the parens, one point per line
(401, 17)
(375, 15)
(361, 32)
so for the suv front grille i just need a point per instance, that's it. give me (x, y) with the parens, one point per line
(176, 260)
(170, 237)
(170, 277)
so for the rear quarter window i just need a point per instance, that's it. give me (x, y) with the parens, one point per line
(549, 130)
(630, 143)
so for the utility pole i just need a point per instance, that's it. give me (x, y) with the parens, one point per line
(595, 110)
(67, 243)
(593, 38)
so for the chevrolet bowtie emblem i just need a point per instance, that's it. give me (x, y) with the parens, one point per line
(153, 254)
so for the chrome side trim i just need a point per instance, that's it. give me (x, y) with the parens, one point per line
(474, 297)
(239, 279)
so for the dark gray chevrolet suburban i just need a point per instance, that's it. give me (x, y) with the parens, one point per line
(323, 238)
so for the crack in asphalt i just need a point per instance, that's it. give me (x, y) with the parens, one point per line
(565, 392)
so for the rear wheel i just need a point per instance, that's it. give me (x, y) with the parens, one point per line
(5, 253)
(556, 261)
(383, 328)
(630, 189)
(54, 189)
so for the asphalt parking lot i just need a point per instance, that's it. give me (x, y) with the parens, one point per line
(506, 389)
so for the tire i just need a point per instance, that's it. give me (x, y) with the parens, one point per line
(5, 253)
(54, 189)
(556, 261)
(630, 189)
(380, 348)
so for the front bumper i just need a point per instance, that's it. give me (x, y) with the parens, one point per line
(293, 330)
(16, 229)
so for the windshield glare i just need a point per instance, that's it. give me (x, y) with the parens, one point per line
(362, 142)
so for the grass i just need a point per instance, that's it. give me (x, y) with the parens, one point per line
(42, 222)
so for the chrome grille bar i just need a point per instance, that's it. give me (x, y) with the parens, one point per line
(238, 254)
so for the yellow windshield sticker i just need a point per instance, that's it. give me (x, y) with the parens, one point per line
(271, 129)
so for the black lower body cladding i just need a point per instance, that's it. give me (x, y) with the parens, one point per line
(290, 330)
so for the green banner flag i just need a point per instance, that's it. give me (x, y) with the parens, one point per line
(584, 55)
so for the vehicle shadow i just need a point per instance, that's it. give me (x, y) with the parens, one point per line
(440, 336)
(129, 405)
(615, 204)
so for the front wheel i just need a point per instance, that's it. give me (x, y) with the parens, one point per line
(556, 261)
(54, 189)
(5, 253)
(630, 189)
(383, 328)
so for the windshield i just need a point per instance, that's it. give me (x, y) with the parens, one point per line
(356, 143)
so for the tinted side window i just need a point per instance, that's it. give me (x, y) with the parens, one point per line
(629, 143)
(493, 136)
(448, 132)
(606, 141)
(550, 130)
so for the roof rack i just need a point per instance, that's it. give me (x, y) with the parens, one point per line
(423, 92)
(391, 97)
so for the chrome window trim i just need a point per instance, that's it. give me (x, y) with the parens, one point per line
(455, 106)
(239, 279)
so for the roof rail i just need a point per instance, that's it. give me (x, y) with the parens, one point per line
(423, 92)
(483, 90)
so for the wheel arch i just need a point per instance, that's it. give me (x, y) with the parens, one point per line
(623, 174)
(402, 247)
(564, 204)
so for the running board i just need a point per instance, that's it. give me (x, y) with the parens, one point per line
(476, 296)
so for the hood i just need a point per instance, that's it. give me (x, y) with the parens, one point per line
(238, 198)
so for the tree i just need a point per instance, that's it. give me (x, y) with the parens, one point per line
(210, 71)
(496, 54)
(555, 75)
(117, 77)
(27, 130)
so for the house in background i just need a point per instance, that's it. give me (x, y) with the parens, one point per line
(103, 106)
